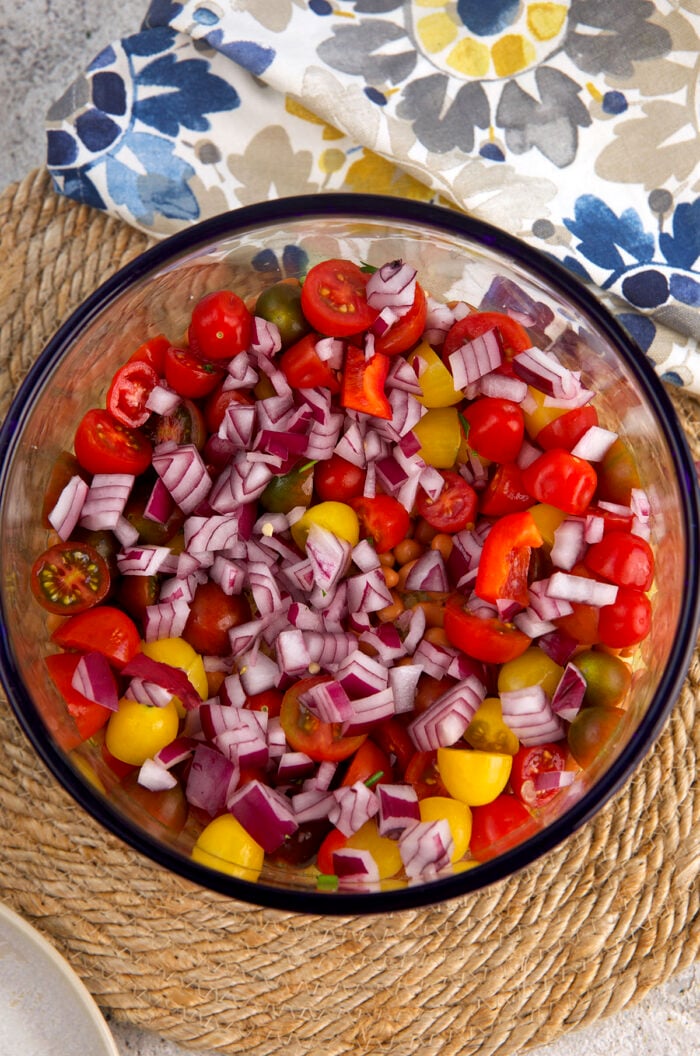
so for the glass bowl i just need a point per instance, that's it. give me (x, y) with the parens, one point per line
(457, 259)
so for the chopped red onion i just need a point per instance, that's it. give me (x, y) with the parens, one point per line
(360, 675)
(426, 848)
(66, 513)
(530, 624)
(184, 474)
(264, 813)
(477, 357)
(276, 740)
(544, 605)
(412, 623)
(209, 780)
(145, 692)
(351, 447)
(558, 646)
(353, 865)
(594, 530)
(368, 711)
(528, 713)
(428, 573)
(392, 286)
(569, 543)
(293, 765)
(398, 807)
(156, 777)
(292, 654)
(594, 444)
(162, 401)
(105, 501)
(126, 533)
(553, 780)
(544, 372)
(445, 721)
(227, 575)
(166, 620)
(258, 673)
(503, 387)
(237, 424)
(568, 696)
(176, 752)
(402, 376)
(368, 592)
(142, 560)
(329, 556)
(311, 804)
(353, 806)
(240, 483)
(244, 741)
(93, 678)
(566, 587)
(386, 641)
(265, 337)
(328, 701)
(241, 373)
(174, 679)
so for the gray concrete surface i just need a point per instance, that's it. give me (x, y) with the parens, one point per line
(42, 45)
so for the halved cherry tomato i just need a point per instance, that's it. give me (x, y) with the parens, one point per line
(69, 577)
(423, 774)
(303, 367)
(496, 428)
(368, 761)
(104, 629)
(103, 445)
(622, 558)
(220, 327)
(566, 430)
(184, 425)
(152, 352)
(408, 330)
(483, 638)
(307, 733)
(269, 700)
(505, 558)
(212, 615)
(127, 395)
(455, 506)
(627, 621)
(217, 403)
(382, 519)
(136, 593)
(362, 387)
(189, 375)
(334, 300)
(505, 491)
(499, 825)
(561, 479)
(512, 335)
(88, 716)
(337, 480)
(393, 737)
(528, 763)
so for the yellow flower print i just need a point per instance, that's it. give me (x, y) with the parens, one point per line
(374, 174)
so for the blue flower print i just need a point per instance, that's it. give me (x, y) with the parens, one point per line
(603, 234)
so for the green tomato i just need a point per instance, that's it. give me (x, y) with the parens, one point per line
(532, 668)
(281, 304)
(288, 490)
(607, 677)
(592, 730)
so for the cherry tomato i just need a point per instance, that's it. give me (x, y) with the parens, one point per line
(499, 825)
(69, 577)
(368, 761)
(88, 716)
(221, 326)
(103, 445)
(168, 807)
(486, 639)
(336, 479)
(561, 479)
(104, 629)
(528, 763)
(608, 678)
(408, 330)
(127, 395)
(423, 774)
(189, 375)
(393, 737)
(269, 700)
(622, 558)
(334, 841)
(301, 846)
(455, 506)
(217, 403)
(496, 428)
(505, 492)
(281, 304)
(334, 300)
(307, 733)
(383, 520)
(566, 430)
(505, 558)
(286, 491)
(472, 776)
(212, 615)
(627, 621)
(512, 335)
(617, 474)
(591, 730)
(303, 367)
(156, 533)
(226, 846)
(152, 352)
(136, 593)
(185, 425)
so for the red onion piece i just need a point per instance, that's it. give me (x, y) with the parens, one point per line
(184, 474)
(568, 696)
(569, 543)
(174, 679)
(368, 592)
(176, 752)
(328, 701)
(126, 533)
(240, 483)
(145, 692)
(353, 806)
(548, 780)
(311, 804)
(428, 573)
(445, 721)
(368, 711)
(166, 620)
(105, 501)
(544, 605)
(392, 286)
(162, 401)
(503, 387)
(237, 424)
(293, 765)
(475, 358)
(93, 678)
(264, 813)
(566, 587)
(530, 624)
(258, 673)
(156, 777)
(360, 675)
(544, 372)
(594, 444)
(244, 741)
(329, 556)
(558, 646)
(209, 780)
(426, 848)
(398, 807)
(595, 528)
(528, 713)
(353, 865)
(66, 513)
(265, 337)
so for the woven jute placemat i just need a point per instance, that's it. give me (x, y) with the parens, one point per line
(577, 936)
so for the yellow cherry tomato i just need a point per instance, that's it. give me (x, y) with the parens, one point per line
(531, 668)
(137, 731)
(488, 732)
(434, 378)
(179, 653)
(337, 517)
(473, 777)
(225, 845)
(458, 815)
(384, 850)
(537, 414)
(440, 435)
(547, 518)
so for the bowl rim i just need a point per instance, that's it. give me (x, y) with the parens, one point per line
(548, 270)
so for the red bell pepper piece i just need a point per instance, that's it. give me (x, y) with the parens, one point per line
(504, 561)
(363, 383)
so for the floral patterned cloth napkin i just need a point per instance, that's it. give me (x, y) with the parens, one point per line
(573, 125)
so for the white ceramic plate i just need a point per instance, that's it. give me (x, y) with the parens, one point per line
(45, 1010)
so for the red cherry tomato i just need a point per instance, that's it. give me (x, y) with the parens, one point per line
(514, 337)
(505, 558)
(393, 737)
(368, 761)
(528, 763)
(499, 825)
(69, 577)
(561, 479)
(337, 480)
(505, 492)
(185, 425)
(168, 807)
(127, 395)
(455, 506)
(189, 375)
(269, 700)
(407, 331)
(566, 430)
(382, 519)
(88, 716)
(303, 367)
(104, 629)
(103, 445)
(622, 558)
(307, 733)
(217, 403)
(152, 352)
(221, 326)
(627, 621)
(496, 428)
(486, 639)
(334, 841)
(423, 774)
(334, 300)
(212, 614)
